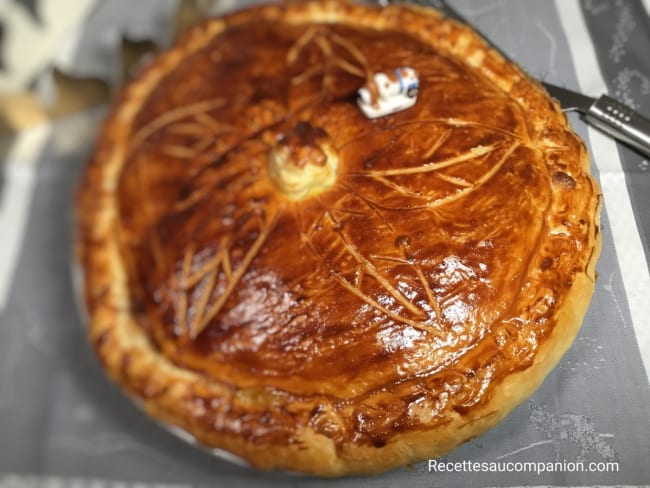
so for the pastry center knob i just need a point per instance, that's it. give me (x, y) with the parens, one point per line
(303, 162)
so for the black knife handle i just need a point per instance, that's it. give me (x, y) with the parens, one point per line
(621, 122)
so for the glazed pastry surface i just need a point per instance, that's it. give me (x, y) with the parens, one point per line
(268, 268)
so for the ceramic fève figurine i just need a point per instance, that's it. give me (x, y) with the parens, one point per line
(387, 93)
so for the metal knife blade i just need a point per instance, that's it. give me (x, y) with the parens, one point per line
(607, 114)
(569, 100)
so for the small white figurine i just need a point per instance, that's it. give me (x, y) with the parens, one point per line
(386, 94)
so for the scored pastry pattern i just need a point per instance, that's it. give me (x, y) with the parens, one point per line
(263, 274)
(216, 278)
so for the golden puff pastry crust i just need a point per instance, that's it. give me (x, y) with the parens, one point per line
(421, 279)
